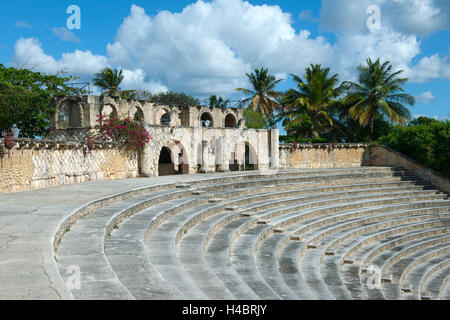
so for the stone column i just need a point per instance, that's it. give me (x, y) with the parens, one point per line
(220, 146)
(274, 149)
(204, 167)
(145, 162)
(145, 159)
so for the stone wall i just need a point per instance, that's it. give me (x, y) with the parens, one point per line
(323, 155)
(212, 149)
(34, 164)
(384, 156)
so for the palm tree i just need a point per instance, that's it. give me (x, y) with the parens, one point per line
(218, 102)
(262, 95)
(109, 80)
(379, 93)
(315, 97)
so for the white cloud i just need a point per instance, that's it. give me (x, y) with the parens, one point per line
(136, 79)
(22, 24)
(209, 46)
(307, 15)
(352, 50)
(419, 17)
(28, 52)
(430, 68)
(65, 34)
(425, 97)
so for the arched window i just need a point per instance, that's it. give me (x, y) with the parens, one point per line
(165, 119)
(206, 120)
(230, 121)
(62, 116)
(138, 115)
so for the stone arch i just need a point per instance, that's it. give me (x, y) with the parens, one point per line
(243, 157)
(181, 157)
(109, 110)
(69, 114)
(237, 157)
(165, 162)
(206, 120)
(230, 121)
(76, 115)
(136, 113)
(163, 117)
(173, 158)
(250, 157)
(62, 115)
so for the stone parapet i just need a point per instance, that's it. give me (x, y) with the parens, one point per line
(35, 164)
(323, 155)
(385, 156)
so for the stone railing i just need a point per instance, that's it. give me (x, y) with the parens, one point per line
(34, 164)
(323, 155)
(385, 156)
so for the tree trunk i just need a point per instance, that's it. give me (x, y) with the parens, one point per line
(371, 128)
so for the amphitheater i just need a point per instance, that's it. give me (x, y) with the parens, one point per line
(374, 228)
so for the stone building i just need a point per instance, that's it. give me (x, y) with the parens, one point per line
(183, 139)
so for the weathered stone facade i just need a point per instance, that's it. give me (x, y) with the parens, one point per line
(199, 139)
(41, 164)
(323, 155)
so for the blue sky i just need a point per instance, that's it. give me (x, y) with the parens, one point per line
(206, 48)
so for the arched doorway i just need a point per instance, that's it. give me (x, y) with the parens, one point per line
(165, 163)
(206, 120)
(230, 121)
(251, 159)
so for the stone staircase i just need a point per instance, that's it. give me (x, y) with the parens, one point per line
(295, 234)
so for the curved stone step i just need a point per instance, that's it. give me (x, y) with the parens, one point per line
(399, 260)
(267, 263)
(176, 222)
(435, 278)
(83, 246)
(328, 230)
(408, 233)
(290, 273)
(215, 228)
(445, 290)
(100, 281)
(242, 259)
(216, 254)
(354, 245)
(247, 228)
(423, 261)
(203, 229)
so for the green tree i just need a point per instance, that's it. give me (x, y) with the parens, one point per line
(25, 99)
(109, 80)
(256, 120)
(171, 98)
(215, 102)
(378, 93)
(425, 140)
(306, 110)
(262, 94)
